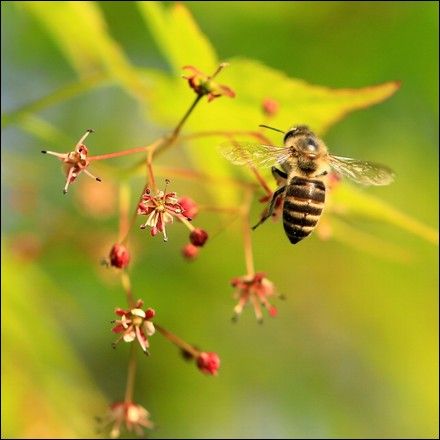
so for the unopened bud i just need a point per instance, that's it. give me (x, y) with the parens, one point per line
(119, 256)
(198, 237)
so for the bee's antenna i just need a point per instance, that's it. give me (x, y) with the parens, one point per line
(271, 128)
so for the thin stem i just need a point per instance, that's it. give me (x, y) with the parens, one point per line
(119, 153)
(261, 181)
(177, 341)
(247, 240)
(124, 206)
(179, 126)
(126, 284)
(222, 209)
(150, 172)
(131, 375)
(185, 221)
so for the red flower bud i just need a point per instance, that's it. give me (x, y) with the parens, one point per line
(208, 363)
(270, 107)
(189, 207)
(119, 256)
(198, 237)
(190, 251)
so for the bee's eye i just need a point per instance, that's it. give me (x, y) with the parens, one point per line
(310, 145)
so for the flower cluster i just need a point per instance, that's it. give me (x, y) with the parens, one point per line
(75, 161)
(160, 209)
(203, 84)
(131, 415)
(135, 324)
(255, 289)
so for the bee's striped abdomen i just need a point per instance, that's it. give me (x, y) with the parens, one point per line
(303, 205)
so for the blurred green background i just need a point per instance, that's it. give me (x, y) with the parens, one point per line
(353, 352)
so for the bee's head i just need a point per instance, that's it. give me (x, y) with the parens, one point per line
(304, 141)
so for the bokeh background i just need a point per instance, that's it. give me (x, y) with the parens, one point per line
(354, 350)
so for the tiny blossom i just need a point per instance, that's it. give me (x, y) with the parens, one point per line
(119, 256)
(135, 324)
(189, 207)
(198, 237)
(255, 288)
(208, 363)
(74, 162)
(203, 84)
(160, 210)
(190, 251)
(270, 106)
(134, 417)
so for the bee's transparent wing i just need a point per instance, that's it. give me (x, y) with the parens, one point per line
(259, 155)
(363, 172)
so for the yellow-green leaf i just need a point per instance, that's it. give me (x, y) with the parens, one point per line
(178, 36)
(354, 201)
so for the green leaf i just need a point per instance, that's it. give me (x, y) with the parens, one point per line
(352, 201)
(42, 377)
(185, 44)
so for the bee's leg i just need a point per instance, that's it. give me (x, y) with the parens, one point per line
(278, 174)
(324, 173)
(269, 213)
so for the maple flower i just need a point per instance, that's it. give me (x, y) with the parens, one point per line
(135, 324)
(203, 84)
(256, 289)
(160, 209)
(119, 256)
(208, 363)
(74, 162)
(135, 418)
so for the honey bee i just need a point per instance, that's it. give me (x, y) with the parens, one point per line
(304, 161)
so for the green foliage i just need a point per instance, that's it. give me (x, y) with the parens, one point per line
(33, 395)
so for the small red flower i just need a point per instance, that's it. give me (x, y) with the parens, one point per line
(135, 324)
(270, 107)
(134, 417)
(255, 288)
(198, 237)
(119, 256)
(160, 210)
(203, 84)
(75, 162)
(189, 207)
(208, 363)
(190, 252)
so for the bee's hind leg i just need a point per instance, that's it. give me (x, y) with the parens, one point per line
(279, 176)
(269, 212)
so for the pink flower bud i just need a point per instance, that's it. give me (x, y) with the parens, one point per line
(150, 313)
(198, 237)
(270, 107)
(119, 256)
(189, 207)
(208, 363)
(190, 251)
